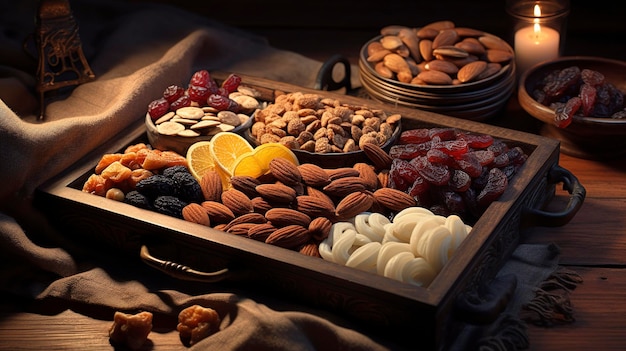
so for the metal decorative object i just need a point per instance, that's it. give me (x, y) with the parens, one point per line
(62, 62)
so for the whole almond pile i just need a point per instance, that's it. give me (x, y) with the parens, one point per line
(294, 207)
(437, 54)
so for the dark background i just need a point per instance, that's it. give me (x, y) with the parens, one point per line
(595, 28)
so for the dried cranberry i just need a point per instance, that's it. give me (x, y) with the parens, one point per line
(158, 108)
(222, 103)
(496, 185)
(231, 83)
(435, 174)
(198, 94)
(403, 169)
(454, 148)
(477, 141)
(182, 101)
(438, 156)
(409, 151)
(460, 181)
(588, 97)
(419, 191)
(470, 164)
(173, 92)
(591, 77)
(414, 136)
(200, 78)
(443, 133)
(563, 116)
(485, 157)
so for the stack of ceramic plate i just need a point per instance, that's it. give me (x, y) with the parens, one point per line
(477, 100)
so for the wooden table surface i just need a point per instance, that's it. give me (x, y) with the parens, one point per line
(593, 243)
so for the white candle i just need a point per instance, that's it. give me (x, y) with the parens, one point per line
(534, 44)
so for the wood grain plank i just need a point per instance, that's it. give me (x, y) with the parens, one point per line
(600, 311)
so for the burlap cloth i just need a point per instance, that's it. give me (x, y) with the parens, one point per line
(135, 52)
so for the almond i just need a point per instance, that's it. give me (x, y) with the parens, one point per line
(435, 78)
(276, 193)
(289, 237)
(211, 185)
(260, 204)
(353, 204)
(281, 217)
(381, 69)
(427, 33)
(378, 56)
(310, 249)
(396, 63)
(251, 217)
(445, 37)
(468, 32)
(341, 172)
(442, 65)
(493, 42)
(285, 171)
(492, 68)
(261, 231)
(499, 56)
(218, 212)
(320, 228)
(245, 184)
(394, 199)
(343, 186)
(240, 229)
(449, 51)
(412, 42)
(426, 49)
(313, 174)
(367, 175)
(383, 178)
(440, 25)
(315, 192)
(472, 46)
(379, 157)
(237, 201)
(471, 71)
(314, 206)
(391, 42)
(195, 213)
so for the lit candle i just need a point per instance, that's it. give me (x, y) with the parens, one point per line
(534, 44)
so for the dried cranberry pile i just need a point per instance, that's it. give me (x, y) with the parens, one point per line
(453, 172)
(572, 91)
(202, 90)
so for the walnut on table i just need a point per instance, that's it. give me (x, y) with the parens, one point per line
(130, 330)
(196, 323)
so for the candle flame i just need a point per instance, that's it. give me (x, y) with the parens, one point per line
(537, 27)
(537, 11)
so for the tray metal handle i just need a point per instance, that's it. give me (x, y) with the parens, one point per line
(558, 174)
(181, 271)
(325, 79)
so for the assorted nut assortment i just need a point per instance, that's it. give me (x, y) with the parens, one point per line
(311, 123)
(437, 54)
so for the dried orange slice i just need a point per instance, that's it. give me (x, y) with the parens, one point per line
(225, 148)
(257, 162)
(199, 159)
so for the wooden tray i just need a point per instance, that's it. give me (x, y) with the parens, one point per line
(194, 252)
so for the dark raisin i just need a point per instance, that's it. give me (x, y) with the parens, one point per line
(198, 94)
(434, 173)
(156, 185)
(460, 181)
(182, 101)
(187, 187)
(170, 171)
(470, 164)
(409, 151)
(443, 133)
(477, 141)
(169, 205)
(137, 199)
(200, 78)
(566, 79)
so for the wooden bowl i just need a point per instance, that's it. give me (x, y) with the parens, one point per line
(585, 137)
(180, 144)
